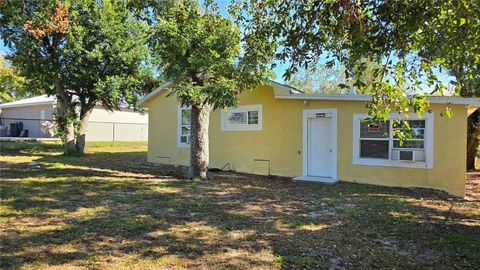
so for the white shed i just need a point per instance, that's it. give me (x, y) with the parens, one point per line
(37, 116)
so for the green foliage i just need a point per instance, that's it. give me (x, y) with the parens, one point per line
(62, 119)
(86, 52)
(100, 58)
(199, 50)
(108, 50)
(330, 78)
(319, 79)
(12, 85)
(412, 39)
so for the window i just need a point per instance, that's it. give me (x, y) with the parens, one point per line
(374, 140)
(183, 126)
(247, 117)
(375, 144)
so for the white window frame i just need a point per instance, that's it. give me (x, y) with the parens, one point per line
(428, 144)
(181, 144)
(225, 126)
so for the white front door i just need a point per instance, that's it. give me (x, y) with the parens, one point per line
(320, 146)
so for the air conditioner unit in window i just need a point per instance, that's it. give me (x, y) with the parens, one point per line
(406, 155)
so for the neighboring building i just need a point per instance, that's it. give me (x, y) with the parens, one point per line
(37, 114)
(277, 130)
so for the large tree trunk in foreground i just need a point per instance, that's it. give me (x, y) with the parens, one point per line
(472, 139)
(82, 130)
(199, 141)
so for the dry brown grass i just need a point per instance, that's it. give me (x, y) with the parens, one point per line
(111, 210)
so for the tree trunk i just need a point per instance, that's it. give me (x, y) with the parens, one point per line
(80, 144)
(64, 114)
(69, 139)
(472, 139)
(199, 141)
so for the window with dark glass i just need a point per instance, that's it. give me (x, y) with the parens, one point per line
(252, 117)
(374, 140)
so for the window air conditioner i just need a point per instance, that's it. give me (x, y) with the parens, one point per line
(406, 155)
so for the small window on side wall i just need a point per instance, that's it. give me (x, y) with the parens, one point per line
(183, 126)
(242, 118)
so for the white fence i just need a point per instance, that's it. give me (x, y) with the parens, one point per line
(96, 130)
(115, 131)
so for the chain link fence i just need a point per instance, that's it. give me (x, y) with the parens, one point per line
(96, 130)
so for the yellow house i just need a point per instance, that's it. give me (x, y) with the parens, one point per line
(278, 130)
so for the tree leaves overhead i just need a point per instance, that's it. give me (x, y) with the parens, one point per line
(96, 48)
(85, 52)
(330, 78)
(200, 51)
(12, 85)
(411, 38)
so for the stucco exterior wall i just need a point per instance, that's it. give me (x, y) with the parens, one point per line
(280, 142)
(31, 117)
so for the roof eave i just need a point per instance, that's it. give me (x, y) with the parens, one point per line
(6, 106)
(432, 99)
(142, 102)
(288, 88)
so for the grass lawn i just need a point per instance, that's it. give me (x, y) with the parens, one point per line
(110, 210)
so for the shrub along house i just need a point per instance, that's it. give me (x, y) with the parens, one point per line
(278, 130)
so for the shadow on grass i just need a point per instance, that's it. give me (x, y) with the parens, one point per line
(28, 148)
(101, 164)
(311, 227)
(114, 205)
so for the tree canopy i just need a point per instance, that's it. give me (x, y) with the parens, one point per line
(12, 85)
(86, 52)
(199, 50)
(411, 38)
(331, 78)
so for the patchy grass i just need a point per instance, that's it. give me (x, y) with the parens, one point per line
(109, 209)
